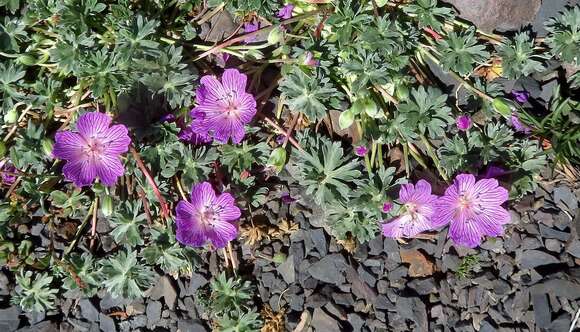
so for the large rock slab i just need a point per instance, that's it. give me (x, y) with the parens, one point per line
(500, 15)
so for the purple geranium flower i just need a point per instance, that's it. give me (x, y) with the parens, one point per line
(309, 60)
(206, 217)
(8, 172)
(286, 198)
(93, 150)
(387, 206)
(473, 209)
(223, 108)
(463, 122)
(518, 125)
(285, 12)
(417, 211)
(521, 96)
(361, 150)
(494, 172)
(251, 27)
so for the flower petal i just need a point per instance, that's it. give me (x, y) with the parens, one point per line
(213, 90)
(81, 172)
(68, 145)
(109, 169)
(234, 82)
(247, 107)
(221, 233)
(93, 124)
(188, 229)
(225, 203)
(202, 194)
(465, 233)
(116, 140)
(464, 183)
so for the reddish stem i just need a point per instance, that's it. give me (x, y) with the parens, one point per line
(143, 168)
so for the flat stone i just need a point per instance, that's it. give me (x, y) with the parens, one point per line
(550, 233)
(360, 289)
(420, 265)
(195, 282)
(376, 245)
(319, 241)
(344, 299)
(553, 245)
(356, 322)
(329, 269)
(153, 313)
(574, 248)
(323, 322)
(413, 309)
(534, 258)
(9, 320)
(501, 15)
(164, 288)
(423, 286)
(287, 271)
(88, 310)
(563, 195)
(542, 313)
(106, 323)
(558, 287)
(382, 302)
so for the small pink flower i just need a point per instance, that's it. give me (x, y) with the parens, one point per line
(387, 206)
(285, 12)
(361, 150)
(463, 122)
(521, 96)
(309, 60)
(518, 125)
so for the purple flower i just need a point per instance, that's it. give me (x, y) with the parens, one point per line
(206, 217)
(387, 206)
(417, 211)
(167, 118)
(463, 122)
(188, 135)
(361, 150)
(223, 108)
(222, 59)
(8, 171)
(285, 12)
(251, 27)
(521, 96)
(309, 60)
(93, 150)
(286, 198)
(473, 209)
(518, 125)
(494, 172)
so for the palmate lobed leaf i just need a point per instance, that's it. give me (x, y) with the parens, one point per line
(564, 35)
(125, 277)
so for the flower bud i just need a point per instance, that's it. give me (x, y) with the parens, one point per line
(275, 36)
(46, 145)
(107, 206)
(11, 116)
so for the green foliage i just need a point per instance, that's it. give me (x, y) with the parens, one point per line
(126, 222)
(325, 172)
(564, 35)
(428, 14)
(425, 112)
(125, 277)
(467, 266)
(460, 51)
(262, 7)
(82, 273)
(229, 294)
(166, 253)
(518, 56)
(34, 293)
(246, 322)
(72, 204)
(307, 93)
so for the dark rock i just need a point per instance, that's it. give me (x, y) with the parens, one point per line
(108, 302)
(268, 279)
(317, 300)
(88, 310)
(549, 9)
(356, 322)
(501, 287)
(106, 323)
(423, 286)
(382, 286)
(382, 302)
(574, 248)
(558, 287)
(376, 245)
(329, 269)
(153, 313)
(367, 276)
(164, 288)
(142, 321)
(35, 317)
(319, 241)
(9, 320)
(323, 322)
(420, 265)
(563, 195)
(501, 15)
(286, 270)
(190, 326)
(534, 258)
(344, 299)
(296, 302)
(359, 288)
(195, 282)
(542, 313)
(413, 309)
(550, 233)
(486, 326)
(553, 245)
(48, 326)
(531, 243)
(562, 323)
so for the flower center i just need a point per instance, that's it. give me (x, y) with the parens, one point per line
(412, 209)
(94, 148)
(208, 216)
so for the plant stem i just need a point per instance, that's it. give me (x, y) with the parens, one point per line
(79, 231)
(434, 157)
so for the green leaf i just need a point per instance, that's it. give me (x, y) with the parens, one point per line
(126, 223)
(125, 277)
(503, 107)
(346, 118)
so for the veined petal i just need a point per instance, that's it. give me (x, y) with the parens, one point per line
(405, 192)
(221, 233)
(81, 173)
(227, 208)
(247, 107)
(116, 139)
(212, 89)
(93, 124)
(68, 146)
(464, 183)
(202, 194)
(465, 233)
(109, 169)
(234, 82)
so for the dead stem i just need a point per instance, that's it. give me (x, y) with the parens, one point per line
(94, 222)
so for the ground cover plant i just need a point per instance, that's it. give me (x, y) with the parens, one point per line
(150, 138)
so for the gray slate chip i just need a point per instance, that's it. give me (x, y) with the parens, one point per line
(534, 258)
